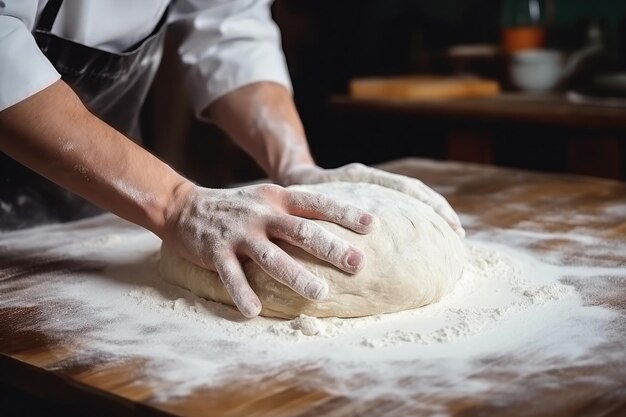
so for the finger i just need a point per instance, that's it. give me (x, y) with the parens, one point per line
(444, 209)
(320, 207)
(232, 276)
(280, 266)
(417, 189)
(319, 242)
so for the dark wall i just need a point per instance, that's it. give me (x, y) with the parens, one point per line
(328, 42)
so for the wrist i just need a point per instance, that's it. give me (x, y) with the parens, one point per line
(262, 119)
(166, 218)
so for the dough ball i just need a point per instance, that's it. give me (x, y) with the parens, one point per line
(413, 259)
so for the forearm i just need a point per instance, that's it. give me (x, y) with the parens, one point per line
(262, 119)
(56, 136)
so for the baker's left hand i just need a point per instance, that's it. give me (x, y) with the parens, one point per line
(311, 174)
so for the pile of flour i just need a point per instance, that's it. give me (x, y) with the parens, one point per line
(491, 288)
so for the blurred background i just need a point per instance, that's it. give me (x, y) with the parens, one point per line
(534, 84)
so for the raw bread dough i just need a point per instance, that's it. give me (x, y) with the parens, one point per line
(413, 259)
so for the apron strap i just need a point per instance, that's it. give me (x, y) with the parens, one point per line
(49, 15)
(157, 28)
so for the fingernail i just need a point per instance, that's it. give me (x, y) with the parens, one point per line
(354, 259)
(365, 219)
(461, 232)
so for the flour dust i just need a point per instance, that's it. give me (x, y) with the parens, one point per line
(507, 302)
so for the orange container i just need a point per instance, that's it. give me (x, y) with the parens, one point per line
(523, 37)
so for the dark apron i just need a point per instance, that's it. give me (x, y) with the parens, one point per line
(113, 86)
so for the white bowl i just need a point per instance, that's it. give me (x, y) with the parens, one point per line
(536, 70)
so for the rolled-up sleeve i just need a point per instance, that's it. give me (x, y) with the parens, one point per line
(24, 70)
(227, 44)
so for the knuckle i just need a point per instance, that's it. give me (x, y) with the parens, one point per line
(355, 167)
(304, 230)
(269, 189)
(334, 250)
(216, 251)
(440, 202)
(351, 214)
(292, 279)
(315, 202)
(224, 232)
(267, 256)
(297, 280)
(427, 200)
(331, 250)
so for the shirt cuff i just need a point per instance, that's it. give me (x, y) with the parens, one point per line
(24, 69)
(213, 78)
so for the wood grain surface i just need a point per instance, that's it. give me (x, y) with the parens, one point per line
(50, 364)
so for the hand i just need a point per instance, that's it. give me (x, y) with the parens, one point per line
(312, 174)
(219, 229)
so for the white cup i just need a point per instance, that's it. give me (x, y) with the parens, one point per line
(536, 70)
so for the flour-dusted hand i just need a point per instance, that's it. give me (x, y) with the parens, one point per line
(356, 172)
(219, 229)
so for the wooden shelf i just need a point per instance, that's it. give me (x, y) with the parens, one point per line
(594, 135)
(554, 110)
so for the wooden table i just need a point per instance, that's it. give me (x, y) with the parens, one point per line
(492, 200)
(595, 134)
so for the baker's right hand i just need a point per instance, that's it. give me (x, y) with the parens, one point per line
(218, 229)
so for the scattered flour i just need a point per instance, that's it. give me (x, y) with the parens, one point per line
(103, 242)
(492, 287)
(508, 302)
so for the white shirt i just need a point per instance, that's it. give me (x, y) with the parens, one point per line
(226, 43)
